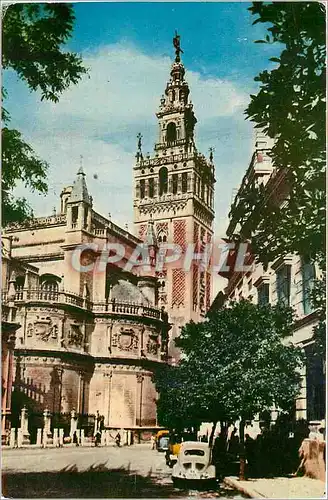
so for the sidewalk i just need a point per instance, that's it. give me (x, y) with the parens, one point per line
(279, 487)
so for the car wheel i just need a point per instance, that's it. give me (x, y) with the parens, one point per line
(176, 482)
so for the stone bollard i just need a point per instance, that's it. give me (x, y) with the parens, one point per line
(73, 426)
(61, 438)
(129, 438)
(44, 438)
(19, 438)
(55, 437)
(47, 436)
(12, 438)
(24, 434)
(82, 438)
(39, 437)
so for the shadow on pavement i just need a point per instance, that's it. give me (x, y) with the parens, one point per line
(96, 482)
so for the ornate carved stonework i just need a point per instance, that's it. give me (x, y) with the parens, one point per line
(152, 346)
(42, 328)
(125, 339)
(75, 335)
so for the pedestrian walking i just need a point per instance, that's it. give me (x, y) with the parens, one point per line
(97, 438)
(153, 442)
(75, 439)
(118, 439)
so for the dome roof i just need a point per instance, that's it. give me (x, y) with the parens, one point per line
(128, 292)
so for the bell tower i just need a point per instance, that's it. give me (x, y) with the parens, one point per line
(175, 188)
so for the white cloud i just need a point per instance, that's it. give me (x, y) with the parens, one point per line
(100, 117)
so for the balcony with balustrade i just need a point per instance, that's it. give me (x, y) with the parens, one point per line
(114, 307)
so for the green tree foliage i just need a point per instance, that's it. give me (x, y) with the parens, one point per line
(237, 363)
(290, 107)
(318, 297)
(33, 36)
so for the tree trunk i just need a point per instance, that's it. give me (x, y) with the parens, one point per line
(242, 454)
(210, 443)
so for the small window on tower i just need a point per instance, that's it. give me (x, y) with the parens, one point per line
(86, 211)
(142, 188)
(163, 180)
(173, 96)
(151, 188)
(175, 183)
(171, 132)
(184, 182)
(75, 214)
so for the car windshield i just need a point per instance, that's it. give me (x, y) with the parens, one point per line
(199, 453)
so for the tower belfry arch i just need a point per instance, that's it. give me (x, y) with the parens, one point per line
(175, 188)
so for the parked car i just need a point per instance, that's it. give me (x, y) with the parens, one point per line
(162, 440)
(194, 463)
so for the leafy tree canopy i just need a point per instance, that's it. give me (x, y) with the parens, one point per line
(33, 37)
(290, 108)
(234, 365)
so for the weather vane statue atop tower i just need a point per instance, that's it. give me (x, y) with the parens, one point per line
(176, 45)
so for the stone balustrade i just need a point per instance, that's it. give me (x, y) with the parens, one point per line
(61, 297)
(129, 308)
(39, 295)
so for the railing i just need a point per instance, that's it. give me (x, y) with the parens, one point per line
(166, 197)
(126, 308)
(162, 145)
(112, 306)
(111, 226)
(100, 232)
(165, 159)
(48, 296)
(39, 221)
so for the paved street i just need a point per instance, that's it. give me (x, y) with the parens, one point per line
(134, 472)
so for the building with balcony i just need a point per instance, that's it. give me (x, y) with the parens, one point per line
(289, 279)
(88, 338)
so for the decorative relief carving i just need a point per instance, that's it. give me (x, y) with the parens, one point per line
(178, 287)
(142, 231)
(30, 330)
(75, 335)
(152, 346)
(42, 328)
(125, 339)
(179, 232)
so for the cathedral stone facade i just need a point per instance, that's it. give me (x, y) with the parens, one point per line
(90, 340)
(175, 189)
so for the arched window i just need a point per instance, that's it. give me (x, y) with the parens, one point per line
(151, 188)
(19, 283)
(184, 183)
(174, 183)
(142, 188)
(171, 132)
(163, 181)
(49, 286)
(173, 96)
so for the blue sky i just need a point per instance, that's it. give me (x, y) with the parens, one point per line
(128, 50)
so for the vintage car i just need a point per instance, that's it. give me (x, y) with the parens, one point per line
(162, 440)
(194, 463)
